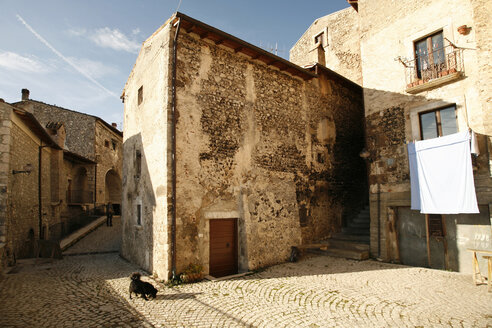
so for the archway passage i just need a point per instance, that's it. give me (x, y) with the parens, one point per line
(113, 190)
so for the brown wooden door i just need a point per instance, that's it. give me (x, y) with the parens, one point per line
(223, 247)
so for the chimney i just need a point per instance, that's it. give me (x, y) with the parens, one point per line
(114, 125)
(25, 94)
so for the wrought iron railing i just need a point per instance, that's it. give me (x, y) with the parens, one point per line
(79, 196)
(437, 64)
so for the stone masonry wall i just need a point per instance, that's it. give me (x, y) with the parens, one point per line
(256, 143)
(341, 47)
(5, 137)
(389, 30)
(80, 127)
(23, 205)
(110, 164)
(146, 168)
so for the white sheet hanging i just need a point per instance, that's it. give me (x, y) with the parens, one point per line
(445, 175)
(414, 177)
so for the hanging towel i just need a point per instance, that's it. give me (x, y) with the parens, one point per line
(414, 177)
(446, 175)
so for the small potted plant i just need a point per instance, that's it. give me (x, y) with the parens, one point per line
(192, 273)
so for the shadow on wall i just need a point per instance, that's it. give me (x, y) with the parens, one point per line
(139, 205)
(391, 120)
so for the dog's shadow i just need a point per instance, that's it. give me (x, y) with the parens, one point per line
(179, 296)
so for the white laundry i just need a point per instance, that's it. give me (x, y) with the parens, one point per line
(474, 144)
(445, 175)
(414, 177)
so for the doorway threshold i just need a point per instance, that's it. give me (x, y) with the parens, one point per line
(237, 275)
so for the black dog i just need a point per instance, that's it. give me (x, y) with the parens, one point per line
(143, 288)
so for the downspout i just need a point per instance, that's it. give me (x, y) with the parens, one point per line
(173, 152)
(40, 206)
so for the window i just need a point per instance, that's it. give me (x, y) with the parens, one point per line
(438, 123)
(435, 222)
(106, 143)
(321, 39)
(429, 54)
(139, 214)
(140, 95)
(113, 144)
(138, 163)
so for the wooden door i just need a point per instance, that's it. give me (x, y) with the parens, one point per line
(223, 247)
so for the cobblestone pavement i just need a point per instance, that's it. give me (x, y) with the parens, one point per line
(103, 239)
(92, 291)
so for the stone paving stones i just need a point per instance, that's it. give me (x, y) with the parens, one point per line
(92, 291)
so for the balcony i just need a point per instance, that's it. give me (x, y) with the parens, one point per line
(442, 66)
(79, 197)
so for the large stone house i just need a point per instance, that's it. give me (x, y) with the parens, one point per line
(232, 154)
(425, 71)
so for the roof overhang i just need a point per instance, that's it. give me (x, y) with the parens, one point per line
(354, 4)
(319, 69)
(204, 31)
(76, 158)
(36, 127)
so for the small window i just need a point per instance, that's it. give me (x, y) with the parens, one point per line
(113, 144)
(138, 163)
(438, 123)
(436, 228)
(140, 95)
(139, 214)
(106, 143)
(321, 39)
(429, 55)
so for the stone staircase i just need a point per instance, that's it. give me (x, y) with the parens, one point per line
(352, 242)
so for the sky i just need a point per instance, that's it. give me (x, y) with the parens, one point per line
(79, 54)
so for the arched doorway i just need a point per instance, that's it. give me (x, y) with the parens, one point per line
(113, 190)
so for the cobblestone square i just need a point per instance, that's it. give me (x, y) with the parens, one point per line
(319, 291)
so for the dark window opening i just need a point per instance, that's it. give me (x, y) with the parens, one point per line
(303, 216)
(113, 144)
(106, 143)
(139, 214)
(438, 123)
(429, 54)
(140, 95)
(138, 164)
(435, 225)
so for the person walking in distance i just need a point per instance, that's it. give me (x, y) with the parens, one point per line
(109, 214)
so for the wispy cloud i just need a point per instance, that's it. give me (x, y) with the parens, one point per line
(67, 60)
(93, 68)
(16, 62)
(114, 39)
(77, 32)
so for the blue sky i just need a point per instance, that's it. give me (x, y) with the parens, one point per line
(78, 54)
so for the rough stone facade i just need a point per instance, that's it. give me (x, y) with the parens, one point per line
(91, 138)
(20, 211)
(336, 46)
(253, 143)
(388, 31)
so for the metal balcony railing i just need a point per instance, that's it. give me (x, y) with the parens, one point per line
(441, 63)
(79, 196)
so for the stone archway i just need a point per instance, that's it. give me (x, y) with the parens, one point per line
(113, 189)
(78, 187)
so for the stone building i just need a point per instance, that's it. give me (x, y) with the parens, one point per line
(232, 154)
(426, 72)
(93, 154)
(81, 161)
(28, 206)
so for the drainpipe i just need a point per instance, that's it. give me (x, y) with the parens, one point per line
(173, 152)
(40, 206)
